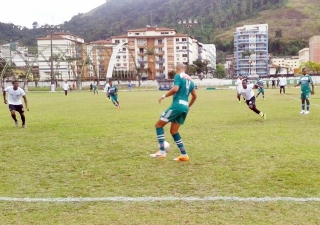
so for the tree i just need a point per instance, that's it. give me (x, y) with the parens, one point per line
(35, 24)
(220, 71)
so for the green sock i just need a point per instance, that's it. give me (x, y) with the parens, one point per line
(177, 139)
(160, 137)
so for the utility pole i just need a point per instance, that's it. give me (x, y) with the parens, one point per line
(188, 24)
(50, 29)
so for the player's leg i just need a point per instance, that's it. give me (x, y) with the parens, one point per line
(174, 130)
(303, 103)
(284, 90)
(262, 92)
(252, 106)
(12, 109)
(19, 108)
(164, 119)
(308, 104)
(259, 91)
(238, 96)
(280, 90)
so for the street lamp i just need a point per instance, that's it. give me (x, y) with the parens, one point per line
(188, 24)
(50, 29)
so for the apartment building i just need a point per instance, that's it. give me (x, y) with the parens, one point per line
(251, 50)
(210, 54)
(99, 53)
(155, 50)
(69, 53)
(304, 55)
(292, 63)
(15, 53)
(314, 48)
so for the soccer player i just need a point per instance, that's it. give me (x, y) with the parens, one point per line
(260, 88)
(176, 113)
(65, 88)
(283, 83)
(113, 91)
(248, 93)
(105, 90)
(239, 86)
(15, 93)
(305, 82)
(95, 88)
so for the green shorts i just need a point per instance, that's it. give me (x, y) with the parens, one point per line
(114, 98)
(171, 115)
(260, 90)
(305, 95)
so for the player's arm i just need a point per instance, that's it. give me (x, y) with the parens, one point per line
(298, 84)
(25, 102)
(4, 97)
(193, 97)
(171, 92)
(312, 91)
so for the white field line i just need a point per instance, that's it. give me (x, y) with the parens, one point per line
(163, 199)
(311, 104)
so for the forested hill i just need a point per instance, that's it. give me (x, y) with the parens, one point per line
(294, 21)
(117, 16)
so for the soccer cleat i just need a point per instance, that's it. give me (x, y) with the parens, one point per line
(182, 158)
(306, 112)
(16, 123)
(24, 126)
(159, 154)
(264, 116)
(302, 112)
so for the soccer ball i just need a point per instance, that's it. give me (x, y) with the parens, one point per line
(166, 146)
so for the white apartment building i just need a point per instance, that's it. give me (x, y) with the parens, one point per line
(156, 50)
(304, 55)
(210, 54)
(16, 53)
(64, 46)
(251, 50)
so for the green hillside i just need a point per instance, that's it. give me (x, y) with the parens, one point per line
(294, 20)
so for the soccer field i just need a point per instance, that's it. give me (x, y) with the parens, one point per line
(82, 146)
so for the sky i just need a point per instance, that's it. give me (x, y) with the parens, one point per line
(25, 12)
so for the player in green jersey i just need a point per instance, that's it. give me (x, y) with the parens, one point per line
(305, 82)
(176, 113)
(113, 91)
(95, 88)
(260, 88)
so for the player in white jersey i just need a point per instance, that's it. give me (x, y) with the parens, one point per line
(66, 88)
(282, 83)
(239, 86)
(106, 88)
(247, 92)
(15, 104)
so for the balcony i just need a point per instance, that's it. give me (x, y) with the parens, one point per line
(141, 52)
(159, 52)
(161, 68)
(160, 60)
(142, 61)
(158, 44)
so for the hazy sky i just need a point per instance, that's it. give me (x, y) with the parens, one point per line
(25, 12)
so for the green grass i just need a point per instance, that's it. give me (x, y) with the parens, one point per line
(81, 146)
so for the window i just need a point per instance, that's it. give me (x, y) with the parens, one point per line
(184, 47)
(164, 32)
(125, 64)
(124, 57)
(118, 57)
(160, 50)
(117, 41)
(118, 64)
(124, 49)
(185, 55)
(184, 39)
(177, 39)
(141, 50)
(177, 47)
(136, 33)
